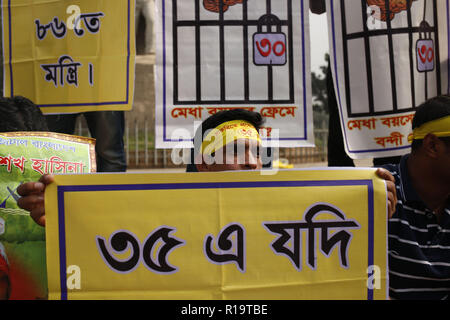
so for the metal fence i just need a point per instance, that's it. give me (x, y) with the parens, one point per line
(141, 153)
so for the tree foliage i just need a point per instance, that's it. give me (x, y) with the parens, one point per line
(319, 93)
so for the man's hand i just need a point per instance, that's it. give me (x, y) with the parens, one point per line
(392, 192)
(32, 198)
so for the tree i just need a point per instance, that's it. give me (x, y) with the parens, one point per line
(319, 93)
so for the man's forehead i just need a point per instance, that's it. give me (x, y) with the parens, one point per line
(244, 142)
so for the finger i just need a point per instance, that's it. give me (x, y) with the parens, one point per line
(28, 188)
(31, 202)
(47, 179)
(390, 186)
(38, 215)
(392, 190)
(392, 198)
(390, 212)
(385, 174)
(391, 205)
(389, 209)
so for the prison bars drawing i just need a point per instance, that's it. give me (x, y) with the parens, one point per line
(366, 34)
(222, 23)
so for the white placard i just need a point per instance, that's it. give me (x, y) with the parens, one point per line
(213, 56)
(387, 57)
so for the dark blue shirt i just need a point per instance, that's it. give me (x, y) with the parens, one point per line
(419, 246)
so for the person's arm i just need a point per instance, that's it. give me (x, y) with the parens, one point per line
(32, 198)
(392, 192)
(317, 6)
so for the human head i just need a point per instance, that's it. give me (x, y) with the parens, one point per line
(431, 110)
(431, 133)
(236, 154)
(20, 114)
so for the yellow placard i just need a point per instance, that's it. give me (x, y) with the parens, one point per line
(306, 234)
(70, 55)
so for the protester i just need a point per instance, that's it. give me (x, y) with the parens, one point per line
(419, 231)
(254, 157)
(20, 114)
(147, 8)
(107, 127)
(229, 140)
(419, 241)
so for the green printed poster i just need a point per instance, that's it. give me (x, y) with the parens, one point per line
(25, 156)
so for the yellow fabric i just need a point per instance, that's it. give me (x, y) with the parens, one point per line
(83, 208)
(439, 127)
(282, 164)
(228, 132)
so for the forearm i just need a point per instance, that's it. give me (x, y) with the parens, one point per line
(317, 6)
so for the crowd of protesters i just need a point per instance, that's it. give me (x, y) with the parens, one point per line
(418, 184)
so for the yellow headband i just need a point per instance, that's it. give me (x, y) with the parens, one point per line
(439, 127)
(228, 132)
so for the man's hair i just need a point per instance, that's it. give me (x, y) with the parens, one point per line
(224, 116)
(432, 109)
(20, 114)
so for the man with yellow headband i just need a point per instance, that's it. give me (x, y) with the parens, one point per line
(229, 140)
(419, 230)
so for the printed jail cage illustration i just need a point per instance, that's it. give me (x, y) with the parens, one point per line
(235, 53)
(394, 67)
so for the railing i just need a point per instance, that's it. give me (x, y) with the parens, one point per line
(140, 151)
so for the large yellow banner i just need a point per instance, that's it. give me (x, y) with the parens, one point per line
(306, 234)
(70, 55)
